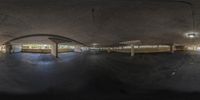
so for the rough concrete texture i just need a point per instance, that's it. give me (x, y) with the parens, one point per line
(100, 76)
(100, 21)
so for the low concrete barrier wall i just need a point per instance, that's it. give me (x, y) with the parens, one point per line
(146, 50)
(65, 50)
(45, 50)
(36, 50)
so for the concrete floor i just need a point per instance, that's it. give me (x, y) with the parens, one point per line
(91, 75)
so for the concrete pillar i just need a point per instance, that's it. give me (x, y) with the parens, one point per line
(54, 49)
(172, 48)
(77, 49)
(122, 49)
(158, 48)
(8, 48)
(195, 48)
(132, 50)
(16, 48)
(108, 50)
(0, 48)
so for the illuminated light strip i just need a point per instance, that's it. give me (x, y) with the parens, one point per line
(191, 35)
(131, 42)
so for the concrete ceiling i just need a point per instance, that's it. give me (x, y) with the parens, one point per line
(105, 22)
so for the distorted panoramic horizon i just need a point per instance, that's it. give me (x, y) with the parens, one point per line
(100, 49)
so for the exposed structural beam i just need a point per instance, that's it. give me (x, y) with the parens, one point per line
(66, 39)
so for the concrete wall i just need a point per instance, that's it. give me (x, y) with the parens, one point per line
(36, 50)
(147, 50)
(45, 50)
(143, 50)
(65, 50)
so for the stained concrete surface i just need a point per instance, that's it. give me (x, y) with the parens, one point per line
(100, 76)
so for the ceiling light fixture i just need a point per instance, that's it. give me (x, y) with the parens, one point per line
(95, 44)
(191, 35)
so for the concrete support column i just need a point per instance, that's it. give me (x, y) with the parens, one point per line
(78, 49)
(132, 50)
(108, 50)
(8, 48)
(54, 49)
(158, 48)
(195, 48)
(172, 48)
(122, 49)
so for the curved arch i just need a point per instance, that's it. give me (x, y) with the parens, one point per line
(50, 35)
